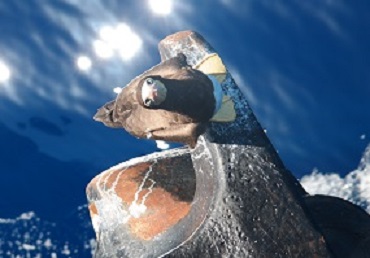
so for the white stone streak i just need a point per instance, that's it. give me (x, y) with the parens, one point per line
(110, 207)
(150, 190)
(137, 209)
(114, 185)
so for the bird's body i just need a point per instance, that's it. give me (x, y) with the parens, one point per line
(170, 102)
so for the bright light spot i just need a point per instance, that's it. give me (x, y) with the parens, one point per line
(28, 247)
(121, 39)
(162, 145)
(27, 215)
(102, 49)
(161, 7)
(363, 137)
(108, 34)
(84, 63)
(117, 90)
(129, 42)
(4, 72)
(136, 210)
(48, 244)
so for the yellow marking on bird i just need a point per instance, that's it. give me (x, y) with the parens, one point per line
(212, 64)
(227, 111)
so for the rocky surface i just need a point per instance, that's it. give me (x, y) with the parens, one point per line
(231, 196)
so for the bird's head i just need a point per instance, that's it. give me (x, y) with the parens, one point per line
(153, 91)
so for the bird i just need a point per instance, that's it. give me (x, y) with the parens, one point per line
(171, 101)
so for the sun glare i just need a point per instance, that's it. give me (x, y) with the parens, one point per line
(120, 39)
(102, 49)
(84, 63)
(162, 144)
(161, 7)
(4, 72)
(117, 90)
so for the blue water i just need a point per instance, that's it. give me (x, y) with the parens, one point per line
(303, 65)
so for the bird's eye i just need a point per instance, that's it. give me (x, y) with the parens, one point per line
(149, 81)
(148, 102)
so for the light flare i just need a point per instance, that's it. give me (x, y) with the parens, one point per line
(4, 72)
(162, 145)
(161, 7)
(117, 90)
(120, 39)
(84, 63)
(102, 49)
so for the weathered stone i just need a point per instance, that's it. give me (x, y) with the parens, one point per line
(137, 204)
(231, 196)
(345, 226)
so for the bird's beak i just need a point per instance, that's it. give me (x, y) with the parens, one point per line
(105, 115)
(154, 94)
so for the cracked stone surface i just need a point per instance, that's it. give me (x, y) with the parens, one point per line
(230, 196)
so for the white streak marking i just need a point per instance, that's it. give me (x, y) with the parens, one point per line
(135, 209)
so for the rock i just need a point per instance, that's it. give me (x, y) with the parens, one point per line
(230, 196)
(345, 226)
(142, 203)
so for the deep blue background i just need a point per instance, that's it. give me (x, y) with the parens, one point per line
(303, 65)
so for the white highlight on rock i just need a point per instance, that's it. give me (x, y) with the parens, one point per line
(84, 63)
(111, 212)
(117, 90)
(162, 145)
(161, 7)
(4, 72)
(137, 209)
(120, 39)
